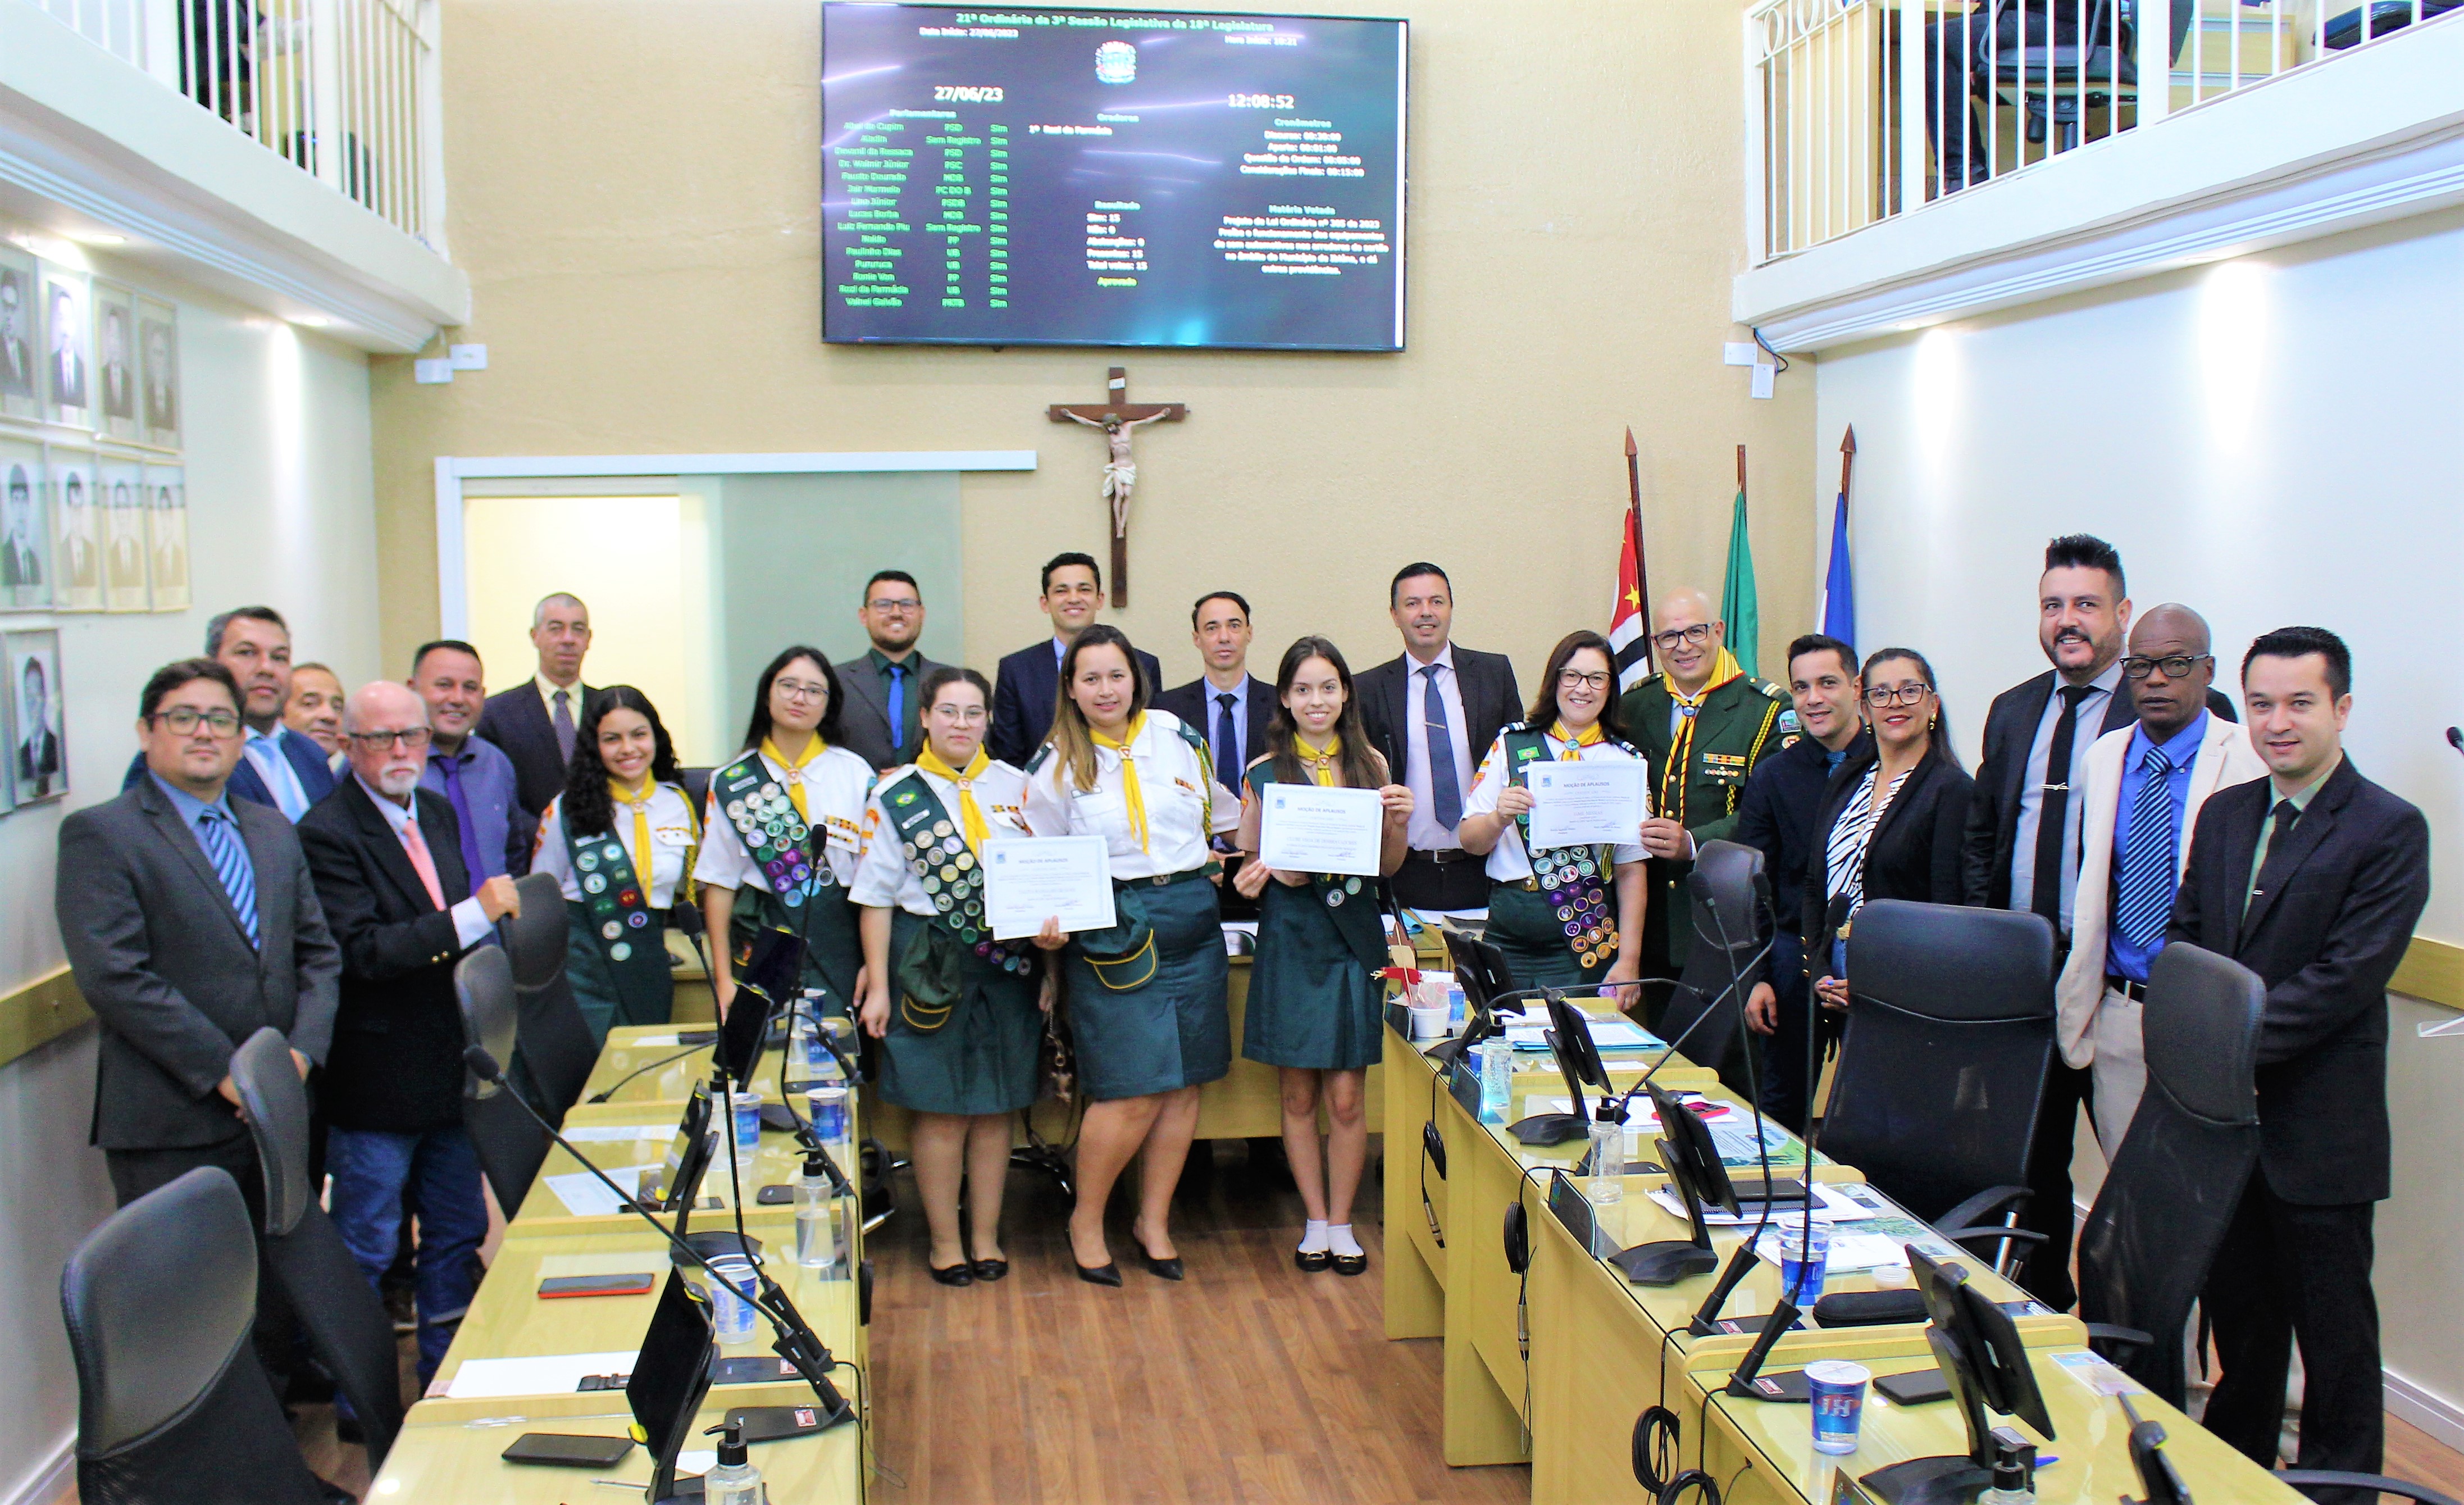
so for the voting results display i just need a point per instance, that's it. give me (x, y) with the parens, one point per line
(1111, 178)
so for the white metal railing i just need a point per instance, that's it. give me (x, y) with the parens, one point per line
(1862, 109)
(347, 89)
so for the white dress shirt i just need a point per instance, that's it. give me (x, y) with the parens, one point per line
(264, 752)
(471, 923)
(1423, 833)
(1183, 803)
(835, 785)
(1507, 861)
(884, 877)
(671, 837)
(2032, 789)
(548, 689)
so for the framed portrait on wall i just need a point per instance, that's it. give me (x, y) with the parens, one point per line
(21, 340)
(158, 341)
(166, 535)
(115, 360)
(120, 487)
(68, 348)
(76, 531)
(38, 757)
(25, 528)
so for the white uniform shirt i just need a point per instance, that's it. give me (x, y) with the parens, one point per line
(886, 877)
(670, 839)
(835, 786)
(1507, 861)
(1173, 781)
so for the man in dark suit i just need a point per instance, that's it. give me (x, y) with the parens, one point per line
(191, 923)
(1228, 708)
(883, 719)
(277, 765)
(388, 859)
(1433, 711)
(2023, 829)
(534, 722)
(1028, 681)
(2312, 877)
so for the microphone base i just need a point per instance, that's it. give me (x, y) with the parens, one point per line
(1550, 1128)
(1665, 1264)
(1929, 1481)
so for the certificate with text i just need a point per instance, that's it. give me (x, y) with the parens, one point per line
(1309, 828)
(1586, 803)
(1031, 880)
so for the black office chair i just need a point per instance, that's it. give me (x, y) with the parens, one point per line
(696, 782)
(338, 1310)
(2059, 57)
(160, 1301)
(2378, 18)
(556, 1052)
(1942, 1061)
(510, 1147)
(1726, 900)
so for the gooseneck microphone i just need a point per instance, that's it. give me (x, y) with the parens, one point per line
(2456, 737)
(794, 1341)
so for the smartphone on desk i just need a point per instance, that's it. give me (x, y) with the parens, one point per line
(560, 1450)
(615, 1285)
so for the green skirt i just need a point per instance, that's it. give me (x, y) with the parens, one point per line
(982, 1059)
(639, 990)
(1311, 1004)
(1522, 925)
(1174, 1030)
(834, 948)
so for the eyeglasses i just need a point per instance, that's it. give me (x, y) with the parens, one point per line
(1698, 634)
(884, 604)
(185, 719)
(1881, 696)
(2176, 666)
(410, 739)
(1576, 679)
(967, 715)
(800, 690)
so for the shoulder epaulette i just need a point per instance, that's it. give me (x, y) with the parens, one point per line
(1769, 689)
(1036, 764)
(1514, 727)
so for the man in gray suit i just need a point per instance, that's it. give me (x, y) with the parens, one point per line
(881, 721)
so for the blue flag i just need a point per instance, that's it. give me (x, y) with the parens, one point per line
(1839, 582)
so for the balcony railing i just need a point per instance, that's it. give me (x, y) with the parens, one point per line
(1864, 109)
(347, 89)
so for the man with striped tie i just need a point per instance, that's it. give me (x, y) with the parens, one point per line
(2143, 787)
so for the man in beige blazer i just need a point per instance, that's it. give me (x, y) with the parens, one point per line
(2144, 787)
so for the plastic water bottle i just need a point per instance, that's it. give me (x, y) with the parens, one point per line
(1607, 1185)
(821, 1243)
(1496, 1081)
(735, 1480)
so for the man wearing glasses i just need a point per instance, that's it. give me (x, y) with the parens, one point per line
(1703, 724)
(881, 721)
(191, 923)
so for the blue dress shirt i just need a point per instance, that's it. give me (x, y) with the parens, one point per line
(2123, 958)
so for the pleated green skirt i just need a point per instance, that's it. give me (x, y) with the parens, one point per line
(982, 1059)
(1311, 1004)
(834, 948)
(1176, 1030)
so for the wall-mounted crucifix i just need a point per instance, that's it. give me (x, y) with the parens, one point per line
(1117, 416)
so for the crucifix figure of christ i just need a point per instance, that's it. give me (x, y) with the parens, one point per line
(1118, 417)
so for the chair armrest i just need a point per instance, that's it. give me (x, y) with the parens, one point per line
(1983, 1205)
(2300, 1477)
(2127, 1339)
(1993, 1233)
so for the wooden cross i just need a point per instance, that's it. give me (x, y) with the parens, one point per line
(1118, 417)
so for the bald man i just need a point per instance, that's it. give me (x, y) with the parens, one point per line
(2143, 787)
(1702, 723)
(534, 722)
(388, 859)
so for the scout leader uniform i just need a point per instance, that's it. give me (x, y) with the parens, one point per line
(1147, 1004)
(1553, 911)
(964, 1023)
(616, 923)
(1316, 1000)
(787, 838)
(1700, 747)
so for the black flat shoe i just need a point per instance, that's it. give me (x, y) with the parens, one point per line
(990, 1270)
(1100, 1274)
(1163, 1269)
(1310, 1262)
(1351, 1264)
(958, 1274)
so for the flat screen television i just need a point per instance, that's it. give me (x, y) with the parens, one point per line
(1111, 178)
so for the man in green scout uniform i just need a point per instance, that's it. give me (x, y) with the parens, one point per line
(1702, 723)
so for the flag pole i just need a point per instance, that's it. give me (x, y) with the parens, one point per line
(1847, 457)
(1634, 504)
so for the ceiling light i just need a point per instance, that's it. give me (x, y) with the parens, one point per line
(312, 320)
(101, 238)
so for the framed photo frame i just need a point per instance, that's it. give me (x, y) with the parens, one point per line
(76, 530)
(115, 396)
(25, 528)
(158, 341)
(38, 763)
(21, 334)
(120, 487)
(68, 348)
(166, 535)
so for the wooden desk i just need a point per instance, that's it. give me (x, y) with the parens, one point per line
(777, 1163)
(452, 1463)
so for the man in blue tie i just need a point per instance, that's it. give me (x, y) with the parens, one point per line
(882, 720)
(1226, 706)
(2144, 786)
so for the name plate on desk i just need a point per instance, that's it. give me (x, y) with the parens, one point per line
(1398, 1018)
(1464, 1084)
(1573, 1209)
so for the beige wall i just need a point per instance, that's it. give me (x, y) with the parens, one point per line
(635, 196)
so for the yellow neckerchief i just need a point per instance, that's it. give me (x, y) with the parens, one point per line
(1319, 760)
(970, 815)
(1130, 792)
(1680, 747)
(1590, 736)
(641, 808)
(794, 768)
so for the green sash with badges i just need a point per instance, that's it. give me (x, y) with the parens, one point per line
(773, 835)
(931, 972)
(619, 904)
(1576, 879)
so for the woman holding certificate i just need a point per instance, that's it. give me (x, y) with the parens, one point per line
(955, 1011)
(1145, 997)
(1550, 908)
(1314, 997)
(785, 826)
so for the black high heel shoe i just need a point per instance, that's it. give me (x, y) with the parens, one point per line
(958, 1274)
(1099, 1274)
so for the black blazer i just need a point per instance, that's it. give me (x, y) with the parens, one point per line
(515, 720)
(2333, 915)
(1993, 815)
(159, 954)
(1489, 700)
(397, 1059)
(1194, 703)
(1914, 853)
(1024, 688)
(864, 720)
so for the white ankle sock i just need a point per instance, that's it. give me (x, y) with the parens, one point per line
(1340, 1239)
(1313, 1237)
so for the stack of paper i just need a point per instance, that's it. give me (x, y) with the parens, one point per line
(548, 1374)
(586, 1196)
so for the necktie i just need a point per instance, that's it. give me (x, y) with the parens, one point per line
(1131, 794)
(421, 863)
(897, 707)
(1445, 790)
(1227, 738)
(220, 837)
(2053, 815)
(452, 766)
(2286, 814)
(2143, 895)
(564, 725)
(971, 815)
